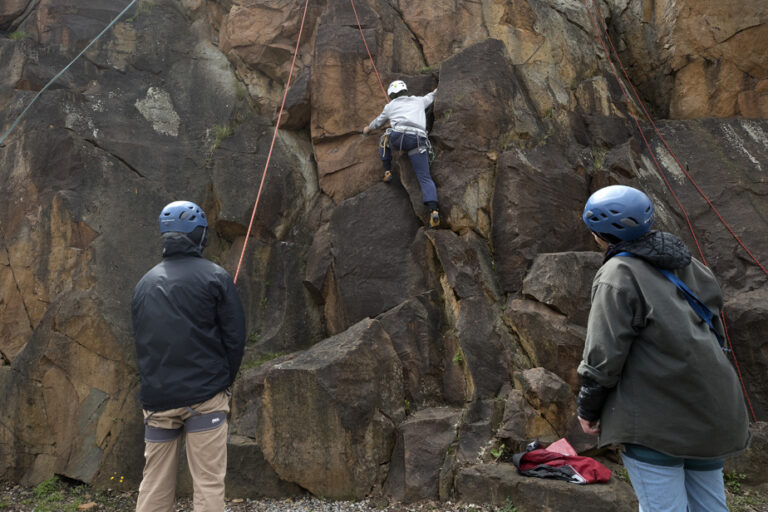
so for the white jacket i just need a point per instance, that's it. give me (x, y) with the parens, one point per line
(405, 112)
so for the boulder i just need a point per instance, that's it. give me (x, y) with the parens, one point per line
(548, 394)
(467, 263)
(472, 126)
(567, 293)
(486, 352)
(414, 328)
(522, 424)
(537, 205)
(329, 414)
(248, 474)
(423, 441)
(548, 339)
(753, 464)
(746, 316)
(373, 265)
(479, 425)
(10, 10)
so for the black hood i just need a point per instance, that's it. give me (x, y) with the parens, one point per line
(179, 244)
(663, 250)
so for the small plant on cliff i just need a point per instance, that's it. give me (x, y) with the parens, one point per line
(498, 452)
(221, 133)
(621, 473)
(240, 90)
(598, 157)
(508, 507)
(18, 35)
(733, 480)
(253, 363)
(458, 358)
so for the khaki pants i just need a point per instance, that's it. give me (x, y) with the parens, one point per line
(206, 456)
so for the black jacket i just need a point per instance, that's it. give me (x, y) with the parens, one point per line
(189, 328)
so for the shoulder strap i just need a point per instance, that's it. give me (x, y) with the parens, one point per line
(702, 310)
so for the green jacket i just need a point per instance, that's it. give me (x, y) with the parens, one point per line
(672, 388)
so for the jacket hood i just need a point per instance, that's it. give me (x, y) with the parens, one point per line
(179, 244)
(663, 250)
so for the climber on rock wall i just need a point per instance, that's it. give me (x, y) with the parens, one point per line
(655, 375)
(189, 328)
(408, 133)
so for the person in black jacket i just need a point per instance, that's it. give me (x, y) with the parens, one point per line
(189, 329)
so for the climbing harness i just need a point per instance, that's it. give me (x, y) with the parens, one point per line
(426, 148)
(636, 100)
(203, 422)
(196, 423)
(56, 77)
(158, 434)
(699, 307)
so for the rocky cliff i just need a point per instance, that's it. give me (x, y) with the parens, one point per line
(382, 357)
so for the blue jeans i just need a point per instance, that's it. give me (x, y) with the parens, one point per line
(416, 146)
(675, 488)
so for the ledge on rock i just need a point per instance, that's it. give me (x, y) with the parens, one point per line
(497, 484)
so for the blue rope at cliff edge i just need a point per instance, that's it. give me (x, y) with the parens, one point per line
(52, 80)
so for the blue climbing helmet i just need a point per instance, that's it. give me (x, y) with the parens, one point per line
(182, 217)
(620, 211)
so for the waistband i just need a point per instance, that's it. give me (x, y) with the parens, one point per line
(409, 129)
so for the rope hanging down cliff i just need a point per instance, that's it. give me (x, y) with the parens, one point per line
(365, 43)
(636, 99)
(272, 145)
(56, 77)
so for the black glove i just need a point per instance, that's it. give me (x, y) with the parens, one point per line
(591, 399)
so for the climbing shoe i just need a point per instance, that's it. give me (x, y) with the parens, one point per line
(434, 219)
(387, 177)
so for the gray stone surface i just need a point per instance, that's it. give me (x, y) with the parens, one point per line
(501, 483)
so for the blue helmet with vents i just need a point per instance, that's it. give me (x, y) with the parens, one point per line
(182, 217)
(620, 211)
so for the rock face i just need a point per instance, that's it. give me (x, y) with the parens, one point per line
(698, 66)
(397, 358)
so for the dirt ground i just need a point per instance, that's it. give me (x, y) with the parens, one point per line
(55, 495)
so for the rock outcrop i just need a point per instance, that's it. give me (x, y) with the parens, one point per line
(382, 357)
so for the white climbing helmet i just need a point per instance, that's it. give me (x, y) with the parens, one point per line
(395, 87)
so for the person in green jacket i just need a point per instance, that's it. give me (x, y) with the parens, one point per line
(655, 378)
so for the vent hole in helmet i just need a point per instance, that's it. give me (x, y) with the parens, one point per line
(617, 225)
(615, 212)
(629, 222)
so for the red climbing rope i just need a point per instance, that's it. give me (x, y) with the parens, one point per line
(381, 84)
(666, 181)
(274, 138)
